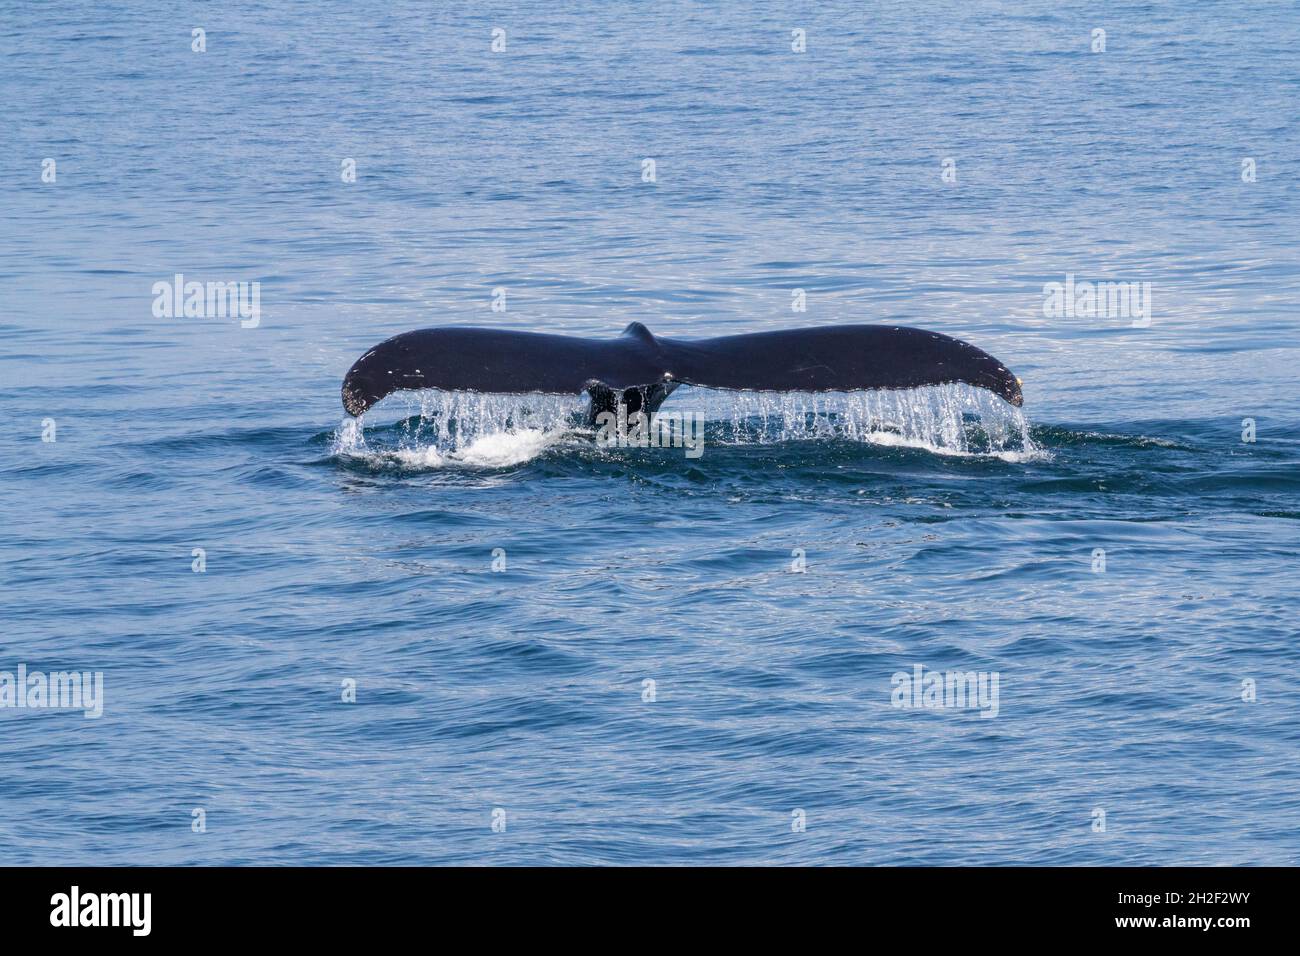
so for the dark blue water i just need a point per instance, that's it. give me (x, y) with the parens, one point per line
(519, 695)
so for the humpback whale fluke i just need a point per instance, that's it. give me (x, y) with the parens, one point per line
(641, 369)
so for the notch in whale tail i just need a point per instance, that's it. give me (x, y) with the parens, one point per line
(641, 369)
(638, 398)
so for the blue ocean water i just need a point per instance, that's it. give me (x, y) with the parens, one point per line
(1147, 711)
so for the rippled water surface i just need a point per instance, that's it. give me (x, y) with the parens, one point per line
(630, 655)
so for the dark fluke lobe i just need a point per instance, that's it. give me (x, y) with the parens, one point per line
(830, 358)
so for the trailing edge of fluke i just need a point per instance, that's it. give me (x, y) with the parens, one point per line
(641, 369)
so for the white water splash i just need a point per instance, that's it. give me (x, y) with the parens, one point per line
(500, 450)
(349, 437)
(465, 429)
(471, 429)
(944, 419)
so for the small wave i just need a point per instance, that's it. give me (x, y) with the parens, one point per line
(1032, 451)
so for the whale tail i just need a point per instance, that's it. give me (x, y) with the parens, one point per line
(641, 370)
